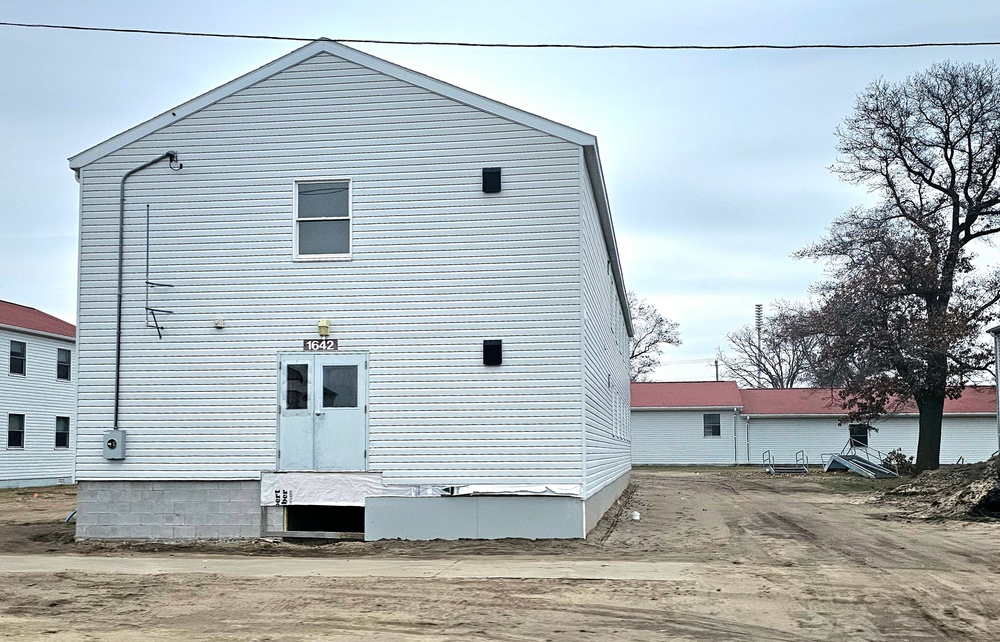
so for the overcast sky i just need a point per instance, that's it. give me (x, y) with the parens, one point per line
(716, 161)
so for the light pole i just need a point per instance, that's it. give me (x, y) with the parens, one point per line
(995, 331)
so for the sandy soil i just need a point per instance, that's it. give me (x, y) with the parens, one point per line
(763, 558)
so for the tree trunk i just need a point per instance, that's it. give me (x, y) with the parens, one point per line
(929, 440)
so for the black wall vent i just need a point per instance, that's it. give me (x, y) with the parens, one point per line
(492, 352)
(491, 180)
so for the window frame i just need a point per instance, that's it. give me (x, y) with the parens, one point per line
(59, 432)
(23, 359)
(68, 364)
(10, 417)
(347, 256)
(717, 425)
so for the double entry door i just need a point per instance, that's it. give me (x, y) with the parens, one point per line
(323, 407)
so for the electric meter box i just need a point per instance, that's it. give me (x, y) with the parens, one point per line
(114, 444)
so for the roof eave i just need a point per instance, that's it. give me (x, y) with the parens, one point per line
(593, 161)
(688, 408)
(39, 333)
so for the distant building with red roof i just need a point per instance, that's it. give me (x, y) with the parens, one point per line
(21, 317)
(37, 397)
(718, 423)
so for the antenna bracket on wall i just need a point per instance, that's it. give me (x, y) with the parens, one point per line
(151, 312)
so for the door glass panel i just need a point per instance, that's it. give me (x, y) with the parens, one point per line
(340, 386)
(297, 387)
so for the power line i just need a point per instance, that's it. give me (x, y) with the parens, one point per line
(444, 43)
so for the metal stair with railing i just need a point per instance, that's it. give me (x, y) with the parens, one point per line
(861, 459)
(800, 467)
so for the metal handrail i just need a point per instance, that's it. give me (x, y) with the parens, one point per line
(853, 446)
(802, 458)
(767, 460)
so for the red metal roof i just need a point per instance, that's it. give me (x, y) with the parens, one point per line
(21, 316)
(823, 401)
(685, 394)
(791, 401)
(780, 401)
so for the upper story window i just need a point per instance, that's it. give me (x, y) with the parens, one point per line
(18, 357)
(323, 219)
(713, 424)
(64, 364)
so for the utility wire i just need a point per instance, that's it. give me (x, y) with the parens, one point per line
(443, 43)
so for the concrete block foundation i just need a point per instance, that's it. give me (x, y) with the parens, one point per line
(168, 510)
(185, 510)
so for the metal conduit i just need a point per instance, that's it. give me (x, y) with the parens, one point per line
(172, 157)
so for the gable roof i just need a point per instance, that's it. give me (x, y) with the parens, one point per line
(781, 401)
(685, 394)
(790, 401)
(21, 317)
(587, 141)
(824, 401)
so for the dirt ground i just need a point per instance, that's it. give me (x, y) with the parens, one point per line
(823, 557)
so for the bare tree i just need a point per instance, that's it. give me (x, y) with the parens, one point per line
(770, 359)
(651, 331)
(903, 305)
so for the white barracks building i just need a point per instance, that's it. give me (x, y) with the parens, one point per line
(335, 297)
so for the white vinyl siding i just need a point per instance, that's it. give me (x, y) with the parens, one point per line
(605, 346)
(786, 436)
(678, 437)
(436, 267)
(40, 397)
(973, 437)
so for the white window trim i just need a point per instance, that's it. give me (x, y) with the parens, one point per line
(350, 220)
(24, 431)
(703, 416)
(10, 358)
(69, 432)
(68, 379)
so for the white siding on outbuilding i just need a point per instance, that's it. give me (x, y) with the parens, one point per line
(40, 397)
(677, 436)
(973, 437)
(785, 436)
(437, 267)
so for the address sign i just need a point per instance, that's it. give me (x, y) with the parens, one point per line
(319, 344)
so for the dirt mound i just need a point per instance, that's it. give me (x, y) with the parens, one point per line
(966, 491)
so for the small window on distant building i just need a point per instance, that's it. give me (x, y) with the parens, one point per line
(859, 434)
(62, 432)
(64, 364)
(15, 431)
(713, 425)
(18, 357)
(323, 219)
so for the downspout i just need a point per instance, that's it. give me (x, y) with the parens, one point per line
(748, 439)
(996, 370)
(172, 157)
(736, 447)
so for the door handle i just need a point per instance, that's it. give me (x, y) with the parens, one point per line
(318, 413)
